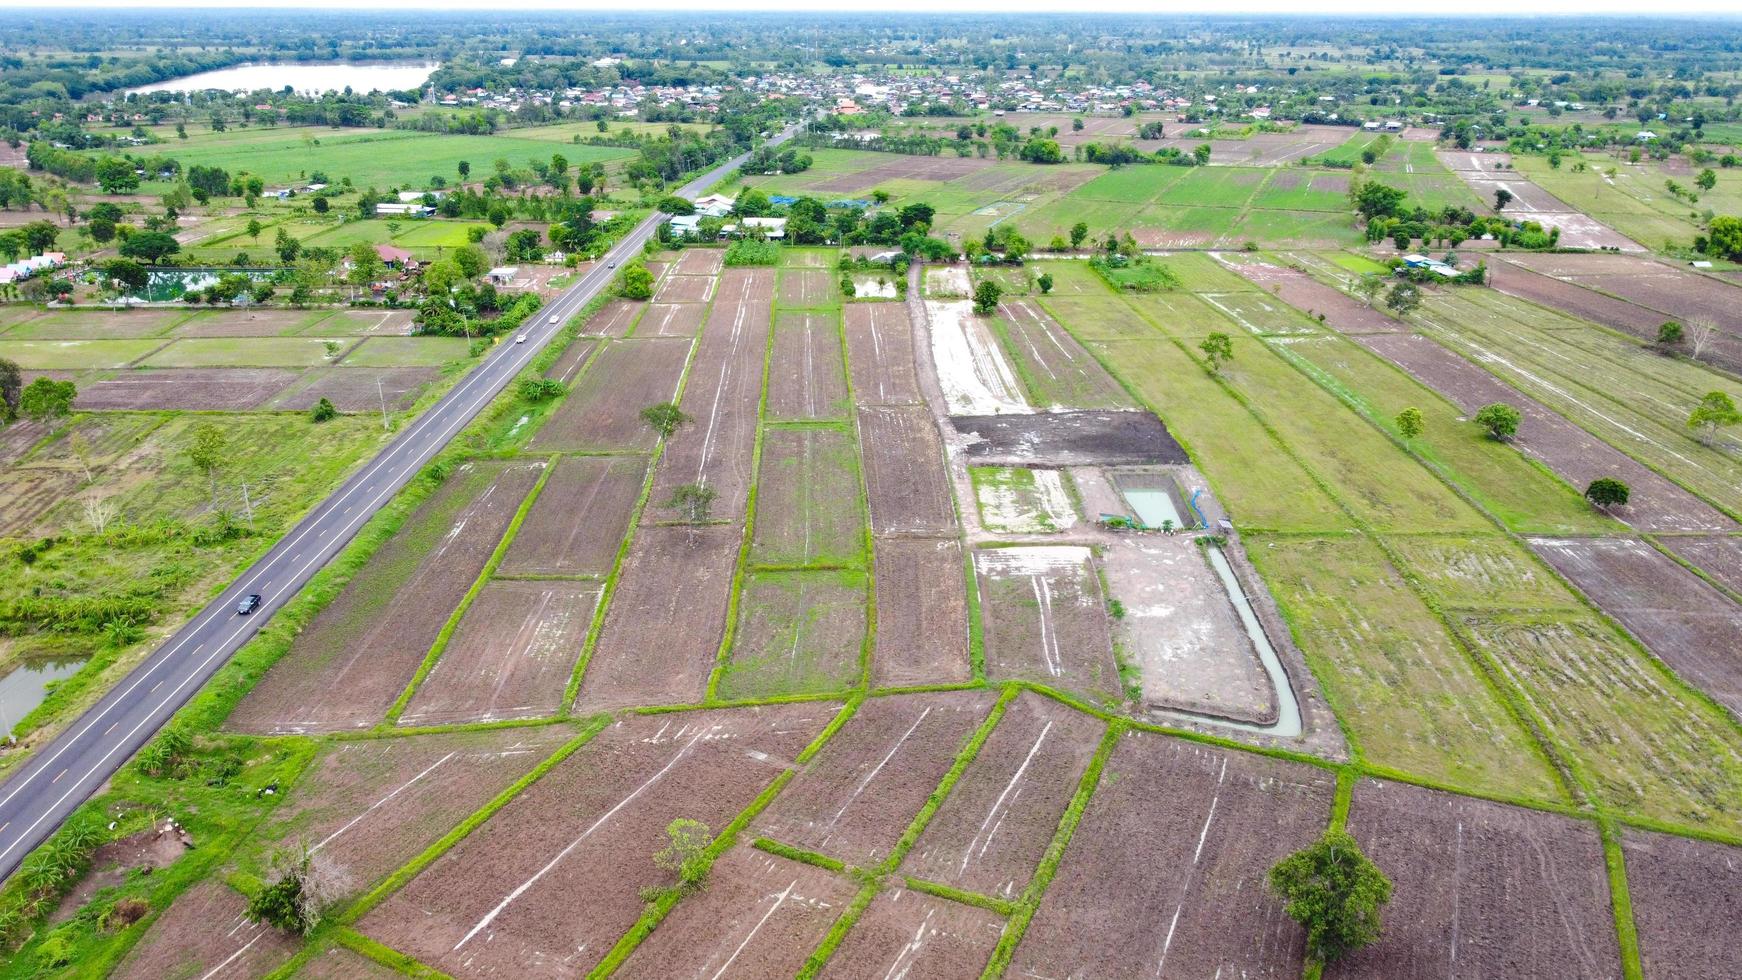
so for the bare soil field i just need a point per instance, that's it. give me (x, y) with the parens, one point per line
(989, 835)
(501, 903)
(1069, 439)
(807, 501)
(797, 633)
(922, 613)
(672, 320)
(576, 525)
(206, 933)
(663, 625)
(150, 850)
(905, 479)
(510, 657)
(1716, 555)
(614, 318)
(347, 668)
(1687, 899)
(193, 389)
(17, 438)
(1182, 632)
(91, 324)
(1481, 889)
(699, 262)
(1576, 455)
(357, 389)
(1531, 203)
(1646, 282)
(249, 323)
(880, 354)
(603, 409)
(805, 380)
(905, 168)
(1186, 833)
(28, 493)
(1045, 619)
(1056, 371)
(370, 805)
(807, 289)
(1689, 625)
(722, 396)
(759, 915)
(683, 289)
(854, 799)
(569, 363)
(906, 933)
(1343, 312)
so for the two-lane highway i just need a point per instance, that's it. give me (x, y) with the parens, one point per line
(66, 771)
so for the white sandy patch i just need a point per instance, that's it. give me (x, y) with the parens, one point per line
(971, 367)
(1048, 508)
(1038, 560)
(948, 280)
(868, 286)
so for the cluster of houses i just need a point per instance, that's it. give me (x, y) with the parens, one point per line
(625, 99)
(26, 268)
(717, 206)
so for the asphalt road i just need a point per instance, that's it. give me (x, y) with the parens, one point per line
(68, 770)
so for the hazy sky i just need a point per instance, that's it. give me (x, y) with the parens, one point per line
(1728, 8)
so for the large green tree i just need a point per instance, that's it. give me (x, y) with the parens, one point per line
(47, 400)
(1335, 892)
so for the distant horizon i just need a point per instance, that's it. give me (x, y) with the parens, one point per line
(1725, 10)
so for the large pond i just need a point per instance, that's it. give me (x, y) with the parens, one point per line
(311, 78)
(24, 687)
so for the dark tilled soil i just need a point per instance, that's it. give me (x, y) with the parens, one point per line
(1045, 620)
(759, 915)
(568, 366)
(990, 834)
(1342, 312)
(856, 797)
(807, 500)
(1689, 625)
(911, 934)
(880, 354)
(205, 931)
(922, 613)
(576, 525)
(1687, 899)
(672, 320)
(1165, 874)
(370, 805)
(1576, 455)
(1716, 555)
(17, 438)
(721, 395)
(192, 389)
(510, 657)
(547, 885)
(603, 408)
(346, 669)
(905, 479)
(614, 318)
(805, 380)
(357, 389)
(1481, 889)
(663, 625)
(1069, 439)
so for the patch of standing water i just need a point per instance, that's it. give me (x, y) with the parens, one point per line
(25, 687)
(1287, 722)
(1153, 507)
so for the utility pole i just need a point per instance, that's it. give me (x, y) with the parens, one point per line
(248, 504)
(383, 396)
